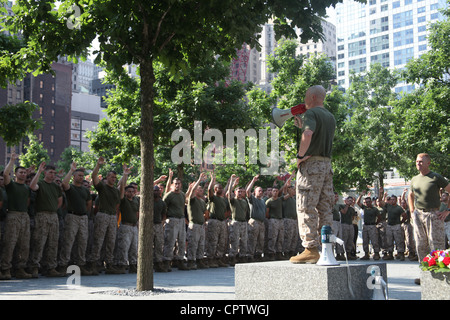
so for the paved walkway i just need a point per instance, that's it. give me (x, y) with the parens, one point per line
(207, 284)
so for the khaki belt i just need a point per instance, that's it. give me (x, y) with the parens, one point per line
(428, 210)
(319, 158)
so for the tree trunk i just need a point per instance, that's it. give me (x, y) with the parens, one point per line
(145, 246)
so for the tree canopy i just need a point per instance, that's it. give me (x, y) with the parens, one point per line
(178, 34)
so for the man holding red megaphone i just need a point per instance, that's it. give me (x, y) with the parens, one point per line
(314, 182)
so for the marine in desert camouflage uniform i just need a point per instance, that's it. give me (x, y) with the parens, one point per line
(314, 182)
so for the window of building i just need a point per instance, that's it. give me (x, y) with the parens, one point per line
(422, 47)
(403, 56)
(403, 19)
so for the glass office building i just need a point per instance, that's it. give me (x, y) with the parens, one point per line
(388, 32)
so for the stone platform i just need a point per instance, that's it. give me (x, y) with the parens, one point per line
(282, 280)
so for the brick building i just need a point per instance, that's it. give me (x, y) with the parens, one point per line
(53, 94)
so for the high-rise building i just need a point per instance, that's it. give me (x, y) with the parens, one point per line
(326, 46)
(52, 93)
(268, 44)
(388, 32)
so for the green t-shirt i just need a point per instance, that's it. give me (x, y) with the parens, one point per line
(370, 214)
(175, 204)
(129, 210)
(47, 196)
(336, 214)
(322, 123)
(217, 207)
(382, 212)
(394, 214)
(196, 208)
(258, 210)
(290, 208)
(159, 210)
(77, 197)
(239, 209)
(275, 208)
(347, 217)
(426, 190)
(18, 195)
(108, 198)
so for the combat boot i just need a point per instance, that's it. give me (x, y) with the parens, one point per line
(401, 256)
(21, 274)
(213, 263)
(365, 257)
(271, 257)
(61, 269)
(376, 256)
(191, 265)
(388, 256)
(201, 264)
(180, 265)
(132, 268)
(6, 274)
(110, 269)
(340, 257)
(92, 266)
(167, 266)
(412, 256)
(2, 277)
(221, 262)
(309, 255)
(84, 271)
(159, 266)
(52, 273)
(279, 256)
(34, 272)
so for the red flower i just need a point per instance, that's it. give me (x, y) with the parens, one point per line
(431, 262)
(446, 261)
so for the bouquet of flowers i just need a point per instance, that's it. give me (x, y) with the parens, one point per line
(437, 261)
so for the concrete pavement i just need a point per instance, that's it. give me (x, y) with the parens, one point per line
(214, 284)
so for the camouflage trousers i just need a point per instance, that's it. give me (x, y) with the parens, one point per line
(348, 232)
(105, 231)
(174, 233)
(408, 231)
(394, 233)
(429, 232)
(16, 240)
(158, 241)
(126, 245)
(447, 229)
(256, 234)
(276, 235)
(370, 235)
(195, 241)
(238, 238)
(45, 236)
(291, 235)
(336, 227)
(216, 238)
(75, 229)
(382, 235)
(315, 199)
